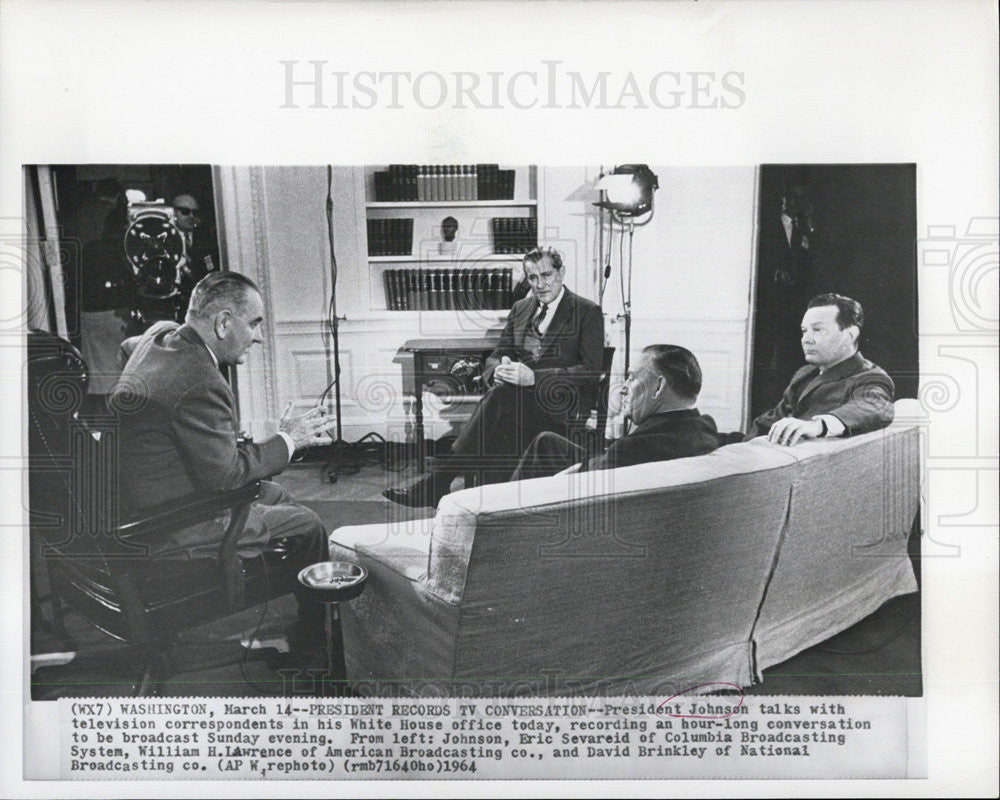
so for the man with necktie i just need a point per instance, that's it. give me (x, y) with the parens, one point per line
(542, 375)
(839, 392)
(201, 253)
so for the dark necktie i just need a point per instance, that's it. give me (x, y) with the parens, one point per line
(537, 321)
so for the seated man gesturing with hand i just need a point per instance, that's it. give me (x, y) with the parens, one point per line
(542, 374)
(178, 433)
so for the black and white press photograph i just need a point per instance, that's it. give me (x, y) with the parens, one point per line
(474, 430)
(594, 397)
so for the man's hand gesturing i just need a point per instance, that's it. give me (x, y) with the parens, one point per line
(308, 428)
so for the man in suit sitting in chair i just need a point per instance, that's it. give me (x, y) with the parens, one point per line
(543, 374)
(178, 435)
(660, 397)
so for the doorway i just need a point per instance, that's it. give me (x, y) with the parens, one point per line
(125, 244)
(844, 228)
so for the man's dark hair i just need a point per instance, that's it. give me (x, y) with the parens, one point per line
(849, 312)
(536, 255)
(218, 290)
(679, 367)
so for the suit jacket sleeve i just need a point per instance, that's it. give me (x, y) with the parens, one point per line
(128, 346)
(869, 404)
(762, 425)
(863, 402)
(622, 453)
(202, 427)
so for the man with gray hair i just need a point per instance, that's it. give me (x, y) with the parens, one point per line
(660, 396)
(178, 432)
(542, 374)
(178, 426)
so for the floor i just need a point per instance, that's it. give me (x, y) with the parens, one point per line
(878, 656)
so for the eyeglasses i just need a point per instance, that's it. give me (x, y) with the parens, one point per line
(184, 211)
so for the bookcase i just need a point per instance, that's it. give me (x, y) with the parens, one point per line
(411, 210)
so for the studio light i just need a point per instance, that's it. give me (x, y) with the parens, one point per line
(626, 193)
(628, 189)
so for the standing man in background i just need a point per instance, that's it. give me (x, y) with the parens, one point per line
(200, 250)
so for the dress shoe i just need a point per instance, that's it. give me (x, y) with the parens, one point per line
(412, 497)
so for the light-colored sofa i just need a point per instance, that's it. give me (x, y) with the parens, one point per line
(649, 580)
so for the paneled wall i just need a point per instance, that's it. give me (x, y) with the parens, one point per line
(690, 285)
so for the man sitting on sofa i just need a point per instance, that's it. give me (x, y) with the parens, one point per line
(659, 398)
(838, 392)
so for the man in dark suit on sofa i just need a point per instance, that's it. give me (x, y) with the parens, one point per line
(838, 392)
(543, 373)
(178, 431)
(660, 396)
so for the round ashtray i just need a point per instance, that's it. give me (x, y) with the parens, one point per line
(333, 581)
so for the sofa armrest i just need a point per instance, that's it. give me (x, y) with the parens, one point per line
(402, 547)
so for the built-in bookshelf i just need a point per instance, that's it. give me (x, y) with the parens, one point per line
(448, 237)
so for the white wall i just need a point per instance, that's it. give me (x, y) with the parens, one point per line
(692, 267)
(690, 286)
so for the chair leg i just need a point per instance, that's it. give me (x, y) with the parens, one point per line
(149, 684)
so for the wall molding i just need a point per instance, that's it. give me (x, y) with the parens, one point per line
(262, 267)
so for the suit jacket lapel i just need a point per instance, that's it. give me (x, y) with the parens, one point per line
(522, 320)
(838, 372)
(560, 319)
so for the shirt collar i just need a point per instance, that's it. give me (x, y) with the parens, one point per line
(555, 303)
(204, 344)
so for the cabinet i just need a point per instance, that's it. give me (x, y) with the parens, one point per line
(412, 266)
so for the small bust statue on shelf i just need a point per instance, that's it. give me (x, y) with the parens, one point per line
(449, 227)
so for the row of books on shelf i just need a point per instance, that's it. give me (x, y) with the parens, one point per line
(448, 289)
(394, 237)
(514, 235)
(448, 182)
(390, 237)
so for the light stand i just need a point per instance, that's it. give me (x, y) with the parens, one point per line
(345, 457)
(338, 446)
(627, 193)
(627, 304)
